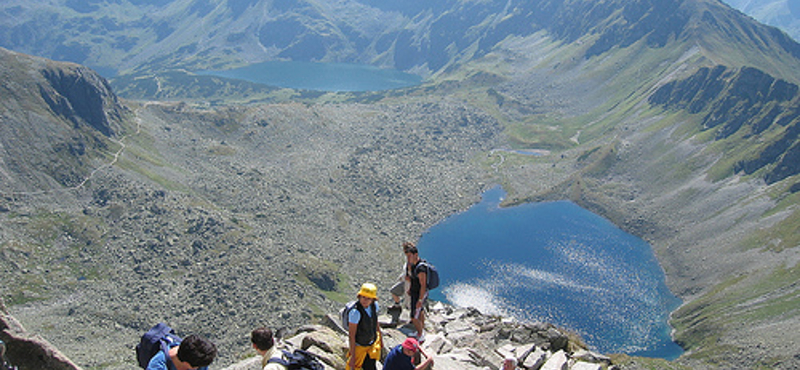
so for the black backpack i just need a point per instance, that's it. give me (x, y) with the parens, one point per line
(158, 338)
(432, 275)
(298, 360)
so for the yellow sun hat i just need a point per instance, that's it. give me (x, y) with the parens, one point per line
(369, 290)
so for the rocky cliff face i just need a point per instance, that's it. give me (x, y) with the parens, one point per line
(83, 97)
(57, 120)
(28, 351)
(744, 105)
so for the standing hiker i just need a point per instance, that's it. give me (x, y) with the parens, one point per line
(365, 344)
(418, 291)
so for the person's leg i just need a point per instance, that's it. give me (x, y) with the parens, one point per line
(398, 290)
(415, 315)
(369, 364)
(361, 355)
(421, 320)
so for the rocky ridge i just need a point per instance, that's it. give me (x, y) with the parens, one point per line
(458, 339)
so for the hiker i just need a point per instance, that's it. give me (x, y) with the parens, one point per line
(418, 273)
(401, 357)
(192, 352)
(510, 363)
(400, 288)
(365, 344)
(264, 344)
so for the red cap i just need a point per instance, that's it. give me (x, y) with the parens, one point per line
(411, 344)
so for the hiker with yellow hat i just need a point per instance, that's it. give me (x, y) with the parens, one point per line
(364, 332)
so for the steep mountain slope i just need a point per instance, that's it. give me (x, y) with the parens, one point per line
(141, 38)
(675, 119)
(784, 14)
(218, 221)
(68, 119)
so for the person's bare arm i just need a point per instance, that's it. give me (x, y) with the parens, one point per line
(428, 360)
(352, 328)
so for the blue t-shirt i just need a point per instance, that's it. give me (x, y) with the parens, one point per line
(159, 362)
(397, 360)
(354, 316)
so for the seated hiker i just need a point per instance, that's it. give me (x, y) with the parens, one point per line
(365, 345)
(264, 344)
(190, 353)
(402, 356)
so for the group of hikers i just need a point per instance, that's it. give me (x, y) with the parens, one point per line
(165, 351)
(364, 333)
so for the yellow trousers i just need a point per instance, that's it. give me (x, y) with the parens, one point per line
(373, 351)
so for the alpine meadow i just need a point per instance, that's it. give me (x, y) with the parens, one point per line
(135, 189)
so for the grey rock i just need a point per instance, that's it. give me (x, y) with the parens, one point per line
(558, 361)
(580, 365)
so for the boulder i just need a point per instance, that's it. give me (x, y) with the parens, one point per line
(580, 365)
(28, 351)
(558, 361)
(460, 339)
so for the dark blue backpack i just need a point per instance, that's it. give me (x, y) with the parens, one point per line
(158, 338)
(298, 360)
(432, 274)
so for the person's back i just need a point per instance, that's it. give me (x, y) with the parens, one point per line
(401, 357)
(264, 344)
(192, 352)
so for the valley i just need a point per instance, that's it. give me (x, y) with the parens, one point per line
(233, 205)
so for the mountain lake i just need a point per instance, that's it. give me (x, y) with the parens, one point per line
(321, 76)
(548, 262)
(555, 262)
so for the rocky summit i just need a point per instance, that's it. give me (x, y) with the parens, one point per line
(457, 339)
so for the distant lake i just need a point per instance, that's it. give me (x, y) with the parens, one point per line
(321, 76)
(555, 262)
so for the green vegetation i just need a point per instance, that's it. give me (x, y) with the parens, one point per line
(740, 300)
(647, 363)
(56, 260)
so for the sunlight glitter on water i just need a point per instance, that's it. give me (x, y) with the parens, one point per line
(558, 263)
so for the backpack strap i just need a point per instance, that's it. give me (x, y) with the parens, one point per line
(280, 360)
(165, 346)
(422, 264)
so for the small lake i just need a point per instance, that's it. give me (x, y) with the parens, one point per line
(321, 76)
(555, 262)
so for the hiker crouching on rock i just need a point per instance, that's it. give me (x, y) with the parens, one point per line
(418, 291)
(401, 357)
(193, 352)
(400, 288)
(264, 344)
(364, 332)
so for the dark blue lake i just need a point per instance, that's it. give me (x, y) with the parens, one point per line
(321, 76)
(555, 262)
